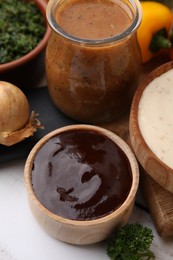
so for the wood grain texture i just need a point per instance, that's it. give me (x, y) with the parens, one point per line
(81, 232)
(159, 200)
(159, 171)
(160, 203)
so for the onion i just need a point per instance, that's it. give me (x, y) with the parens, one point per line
(16, 123)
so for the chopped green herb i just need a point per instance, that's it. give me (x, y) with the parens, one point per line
(131, 242)
(21, 28)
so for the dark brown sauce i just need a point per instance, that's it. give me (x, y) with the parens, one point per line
(81, 175)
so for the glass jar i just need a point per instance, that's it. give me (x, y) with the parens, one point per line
(89, 80)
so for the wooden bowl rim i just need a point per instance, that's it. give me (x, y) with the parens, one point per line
(135, 104)
(124, 146)
(41, 4)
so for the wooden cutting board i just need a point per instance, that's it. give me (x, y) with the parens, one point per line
(160, 201)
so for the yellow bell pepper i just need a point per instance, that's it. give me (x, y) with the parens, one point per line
(153, 33)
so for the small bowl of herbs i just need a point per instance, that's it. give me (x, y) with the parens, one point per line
(24, 33)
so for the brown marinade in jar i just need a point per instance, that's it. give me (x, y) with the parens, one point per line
(93, 19)
(90, 81)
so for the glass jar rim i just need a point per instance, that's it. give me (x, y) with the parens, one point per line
(127, 32)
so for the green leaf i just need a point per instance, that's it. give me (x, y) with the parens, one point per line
(131, 242)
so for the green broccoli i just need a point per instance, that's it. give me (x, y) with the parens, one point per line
(131, 242)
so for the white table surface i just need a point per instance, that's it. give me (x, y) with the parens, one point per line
(21, 237)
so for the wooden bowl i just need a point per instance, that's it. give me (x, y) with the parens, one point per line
(149, 146)
(27, 71)
(81, 231)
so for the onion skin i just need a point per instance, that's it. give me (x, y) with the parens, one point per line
(16, 124)
(14, 108)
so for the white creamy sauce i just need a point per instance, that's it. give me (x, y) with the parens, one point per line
(155, 117)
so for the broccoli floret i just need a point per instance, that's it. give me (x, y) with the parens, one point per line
(131, 242)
